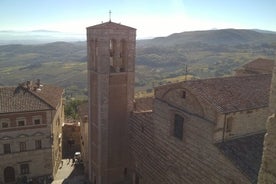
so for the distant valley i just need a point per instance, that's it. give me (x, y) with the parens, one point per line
(37, 37)
(158, 61)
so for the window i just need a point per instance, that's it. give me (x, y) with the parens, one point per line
(38, 144)
(22, 146)
(24, 168)
(229, 123)
(7, 148)
(112, 46)
(37, 120)
(5, 124)
(122, 57)
(183, 94)
(178, 126)
(136, 179)
(21, 121)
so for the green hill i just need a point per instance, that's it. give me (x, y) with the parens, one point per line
(206, 53)
(213, 37)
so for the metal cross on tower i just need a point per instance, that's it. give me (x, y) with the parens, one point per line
(110, 15)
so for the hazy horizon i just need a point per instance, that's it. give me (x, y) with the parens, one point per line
(151, 18)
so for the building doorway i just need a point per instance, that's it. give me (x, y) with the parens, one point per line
(9, 174)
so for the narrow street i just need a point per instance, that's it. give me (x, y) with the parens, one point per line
(70, 173)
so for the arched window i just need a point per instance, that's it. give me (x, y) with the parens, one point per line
(122, 58)
(9, 174)
(112, 52)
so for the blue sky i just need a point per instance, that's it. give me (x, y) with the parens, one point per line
(151, 17)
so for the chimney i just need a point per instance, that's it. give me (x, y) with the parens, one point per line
(28, 85)
(38, 83)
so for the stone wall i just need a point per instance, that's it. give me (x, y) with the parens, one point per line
(267, 172)
(57, 117)
(71, 139)
(241, 123)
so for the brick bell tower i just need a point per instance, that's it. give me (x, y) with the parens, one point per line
(111, 63)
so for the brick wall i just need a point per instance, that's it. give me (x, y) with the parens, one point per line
(159, 157)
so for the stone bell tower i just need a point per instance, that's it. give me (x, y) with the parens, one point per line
(267, 173)
(111, 62)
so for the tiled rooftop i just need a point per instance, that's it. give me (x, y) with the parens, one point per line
(20, 99)
(245, 153)
(110, 25)
(260, 64)
(229, 94)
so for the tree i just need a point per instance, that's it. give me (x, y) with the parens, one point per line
(71, 108)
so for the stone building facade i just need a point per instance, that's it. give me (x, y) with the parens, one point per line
(201, 131)
(83, 116)
(267, 172)
(71, 142)
(31, 116)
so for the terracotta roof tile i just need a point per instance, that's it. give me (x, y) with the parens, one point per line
(143, 104)
(50, 94)
(20, 99)
(260, 64)
(230, 94)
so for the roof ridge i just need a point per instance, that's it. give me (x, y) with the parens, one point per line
(110, 23)
(39, 97)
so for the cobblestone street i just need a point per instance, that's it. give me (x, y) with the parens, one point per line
(70, 173)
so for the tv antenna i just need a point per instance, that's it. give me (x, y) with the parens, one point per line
(186, 71)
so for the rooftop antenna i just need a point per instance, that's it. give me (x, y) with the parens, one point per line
(186, 71)
(110, 15)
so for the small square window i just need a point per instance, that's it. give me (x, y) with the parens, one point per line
(5, 124)
(37, 121)
(24, 168)
(21, 123)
